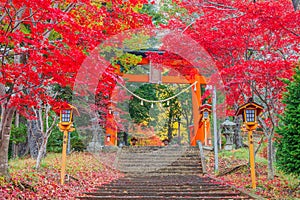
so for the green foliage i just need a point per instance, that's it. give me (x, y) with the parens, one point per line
(138, 41)
(25, 29)
(288, 153)
(64, 93)
(77, 142)
(128, 60)
(55, 141)
(241, 154)
(54, 35)
(161, 13)
(56, 138)
(18, 134)
(162, 116)
(140, 113)
(291, 180)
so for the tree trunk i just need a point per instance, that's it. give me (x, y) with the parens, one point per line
(23, 148)
(4, 155)
(15, 149)
(170, 128)
(6, 120)
(270, 158)
(41, 151)
(34, 138)
(237, 138)
(296, 4)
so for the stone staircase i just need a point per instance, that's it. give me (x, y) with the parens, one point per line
(158, 173)
(167, 160)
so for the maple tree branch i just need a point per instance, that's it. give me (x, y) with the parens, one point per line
(296, 4)
(40, 116)
(260, 143)
(3, 57)
(52, 125)
(2, 17)
(10, 21)
(296, 34)
(68, 9)
(188, 26)
(217, 8)
(221, 5)
(48, 108)
(18, 16)
(32, 19)
(233, 169)
(30, 16)
(268, 106)
(281, 53)
(16, 91)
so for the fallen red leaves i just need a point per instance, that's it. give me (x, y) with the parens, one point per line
(279, 188)
(85, 173)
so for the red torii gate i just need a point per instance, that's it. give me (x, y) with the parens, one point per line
(197, 132)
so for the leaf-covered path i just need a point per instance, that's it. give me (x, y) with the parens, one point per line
(163, 173)
(166, 187)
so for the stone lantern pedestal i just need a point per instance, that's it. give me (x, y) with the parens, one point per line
(227, 131)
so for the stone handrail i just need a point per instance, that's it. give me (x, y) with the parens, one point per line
(202, 157)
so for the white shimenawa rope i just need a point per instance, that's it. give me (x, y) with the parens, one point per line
(158, 101)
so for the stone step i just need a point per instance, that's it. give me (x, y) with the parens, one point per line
(141, 148)
(159, 160)
(175, 160)
(157, 166)
(159, 198)
(160, 164)
(167, 185)
(162, 169)
(154, 173)
(167, 194)
(147, 155)
(169, 188)
(158, 151)
(163, 179)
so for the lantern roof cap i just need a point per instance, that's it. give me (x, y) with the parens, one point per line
(228, 123)
(66, 106)
(249, 104)
(205, 107)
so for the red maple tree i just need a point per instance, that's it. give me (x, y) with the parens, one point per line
(254, 44)
(42, 44)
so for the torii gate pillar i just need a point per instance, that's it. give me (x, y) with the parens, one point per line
(197, 131)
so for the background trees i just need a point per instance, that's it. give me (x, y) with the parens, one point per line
(288, 152)
(42, 43)
(254, 44)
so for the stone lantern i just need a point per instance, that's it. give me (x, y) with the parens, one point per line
(227, 128)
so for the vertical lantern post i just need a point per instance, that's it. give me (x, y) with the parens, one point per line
(179, 137)
(65, 125)
(205, 111)
(250, 111)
